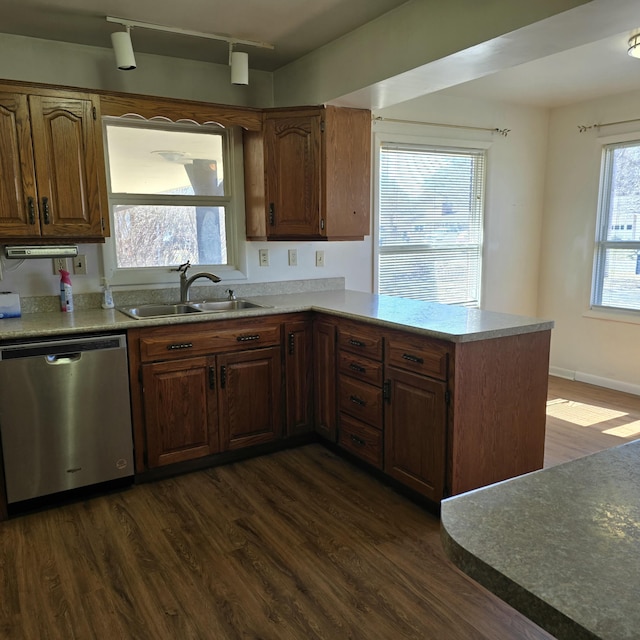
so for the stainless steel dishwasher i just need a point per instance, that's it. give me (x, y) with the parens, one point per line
(65, 417)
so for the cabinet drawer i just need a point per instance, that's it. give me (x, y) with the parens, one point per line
(360, 400)
(424, 356)
(361, 440)
(181, 343)
(362, 341)
(361, 368)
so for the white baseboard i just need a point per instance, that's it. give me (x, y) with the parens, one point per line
(607, 383)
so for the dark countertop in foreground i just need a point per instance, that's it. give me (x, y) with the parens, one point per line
(560, 545)
(447, 322)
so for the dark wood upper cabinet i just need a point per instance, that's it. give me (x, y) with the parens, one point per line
(307, 175)
(52, 175)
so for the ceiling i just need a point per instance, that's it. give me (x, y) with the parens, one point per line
(294, 27)
(297, 27)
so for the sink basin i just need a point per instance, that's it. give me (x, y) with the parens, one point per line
(224, 305)
(159, 310)
(184, 308)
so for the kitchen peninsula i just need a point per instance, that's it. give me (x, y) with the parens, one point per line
(560, 545)
(440, 399)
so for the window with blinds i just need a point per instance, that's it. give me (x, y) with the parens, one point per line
(431, 203)
(616, 274)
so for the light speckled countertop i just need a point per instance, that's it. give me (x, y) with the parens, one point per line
(561, 545)
(452, 323)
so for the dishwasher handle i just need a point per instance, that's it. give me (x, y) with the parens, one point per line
(63, 358)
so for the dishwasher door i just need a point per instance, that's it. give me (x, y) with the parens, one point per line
(65, 416)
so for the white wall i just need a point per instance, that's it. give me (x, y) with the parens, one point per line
(594, 347)
(514, 196)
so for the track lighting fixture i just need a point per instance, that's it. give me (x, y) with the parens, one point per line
(238, 60)
(122, 47)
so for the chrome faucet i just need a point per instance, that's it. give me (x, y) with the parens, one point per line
(185, 283)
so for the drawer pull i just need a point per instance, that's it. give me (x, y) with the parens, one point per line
(411, 358)
(359, 441)
(248, 338)
(357, 367)
(181, 345)
(358, 401)
(356, 343)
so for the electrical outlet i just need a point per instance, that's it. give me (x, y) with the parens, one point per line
(319, 258)
(293, 257)
(80, 265)
(264, 257)
(59, 263)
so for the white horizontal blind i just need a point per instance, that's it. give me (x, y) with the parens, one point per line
(616, 280)
(431, 203)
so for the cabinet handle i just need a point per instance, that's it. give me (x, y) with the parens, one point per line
(212, 377)
(181, 345)
(248, 338)
(357, 367)
(272, 214)
(356, 343)
(292, 343)
(359, 441)
(408, 356)
(45, 209)
(32, 210)
(358, 401)
(223, 377)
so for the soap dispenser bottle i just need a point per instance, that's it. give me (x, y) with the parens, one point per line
(107, 296)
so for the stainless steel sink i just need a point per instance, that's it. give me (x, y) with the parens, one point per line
(224, 305)
(187, 308)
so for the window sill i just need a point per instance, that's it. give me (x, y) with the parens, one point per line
(611, 315)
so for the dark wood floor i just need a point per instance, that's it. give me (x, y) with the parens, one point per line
(299, 544)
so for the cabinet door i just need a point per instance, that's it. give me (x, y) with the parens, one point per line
(18, 197)
(249, 396)
(415, 432)
(69, 166)
(299, 377)
(180, 410)
(292, 154)
(324, 362)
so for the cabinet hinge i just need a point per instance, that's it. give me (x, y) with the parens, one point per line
(447, 397)
(95, 113)
(386, 390)
(102, 224)
(322, 126)
(322, 224)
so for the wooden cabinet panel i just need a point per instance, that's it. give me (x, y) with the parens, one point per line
(362, 440)
(360, 400)
(415, 432)
(298, 376)
(324, 366)
(293, 180)
(249, 385)
(425, 356)
(180, 410)
(53, 182)
(18, 206)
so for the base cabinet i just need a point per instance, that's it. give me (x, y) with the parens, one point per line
(249, 397)
(298, 365)
(415, 432)
(324, 367)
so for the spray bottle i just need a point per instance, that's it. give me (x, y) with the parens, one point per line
(66, 293)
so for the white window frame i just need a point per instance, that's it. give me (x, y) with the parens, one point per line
(603, 222)
(236, 269)
(423, 136)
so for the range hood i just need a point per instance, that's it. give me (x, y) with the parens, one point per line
(52, 251)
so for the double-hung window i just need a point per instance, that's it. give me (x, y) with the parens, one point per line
(616, 274)
(430, 220)
(172, 197)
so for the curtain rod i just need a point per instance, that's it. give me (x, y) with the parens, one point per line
(583, 127)
(502, 132)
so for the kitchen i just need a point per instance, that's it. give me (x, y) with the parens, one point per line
(515, 267)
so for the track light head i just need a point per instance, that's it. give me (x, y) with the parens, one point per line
(122, 47)
(239, 61)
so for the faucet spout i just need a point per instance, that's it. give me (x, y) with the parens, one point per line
(185, 283)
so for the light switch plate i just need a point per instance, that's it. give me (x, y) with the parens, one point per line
(80, 265)
(293, 257)
(319, 258)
